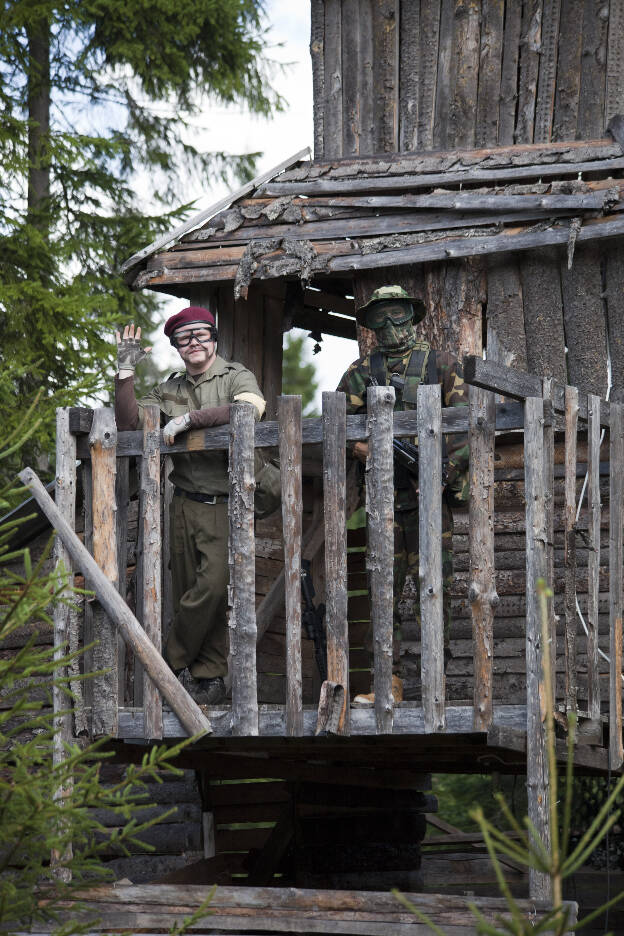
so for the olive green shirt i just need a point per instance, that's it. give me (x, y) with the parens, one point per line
(222, 383)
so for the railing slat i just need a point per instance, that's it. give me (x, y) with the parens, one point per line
(289, 413)
(122, 503)
(150, 519)
(429, 409)
(334, 504)
(537, 764)
(243, 572)
(64, 611)
(380, 559)
(549, 510)
(593, 556)
(616, 489)
(571, 426)
(482, 589)
(103, 443)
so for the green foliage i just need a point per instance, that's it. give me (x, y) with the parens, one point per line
(299, 374)
(557, 859)
(91, 90)
(50, 806)
(457, 795)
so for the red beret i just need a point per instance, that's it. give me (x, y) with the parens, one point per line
(187, 317)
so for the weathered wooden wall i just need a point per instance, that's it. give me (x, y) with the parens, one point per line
(402, 75)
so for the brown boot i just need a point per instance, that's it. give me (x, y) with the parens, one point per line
(369, 699)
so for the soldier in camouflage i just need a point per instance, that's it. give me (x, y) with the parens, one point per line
(392, 314)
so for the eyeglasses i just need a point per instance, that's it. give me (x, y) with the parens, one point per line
(378, 314)
(202, 336)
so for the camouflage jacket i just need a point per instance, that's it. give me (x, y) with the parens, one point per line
(448, 373)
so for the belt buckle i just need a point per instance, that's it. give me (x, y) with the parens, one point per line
(210, 499)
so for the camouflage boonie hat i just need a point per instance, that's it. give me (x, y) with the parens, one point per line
(388, 293)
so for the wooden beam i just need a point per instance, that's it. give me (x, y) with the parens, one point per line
(571, 428)
(189, 714)
(616, 555)
(593, 557)
(150, 520)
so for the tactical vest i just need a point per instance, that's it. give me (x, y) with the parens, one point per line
(421, 368)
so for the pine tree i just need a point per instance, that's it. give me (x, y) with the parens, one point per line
(90, 90)
(299, 375)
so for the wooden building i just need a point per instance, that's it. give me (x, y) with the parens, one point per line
(472, 151)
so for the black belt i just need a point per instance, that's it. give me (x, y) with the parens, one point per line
(202, 498)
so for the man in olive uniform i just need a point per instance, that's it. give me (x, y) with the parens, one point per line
(198, 397)
(402, 360)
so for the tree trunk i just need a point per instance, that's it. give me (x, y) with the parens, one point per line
(39, 121)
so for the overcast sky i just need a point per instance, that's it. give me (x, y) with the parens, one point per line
(236, 131)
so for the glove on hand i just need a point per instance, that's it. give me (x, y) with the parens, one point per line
(176, 425)
(129, 354)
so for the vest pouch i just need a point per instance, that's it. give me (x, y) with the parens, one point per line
(268, 495)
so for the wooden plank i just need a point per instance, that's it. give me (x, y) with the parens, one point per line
(571, 427)
(386, 75)
(466, 72)
(568, 70)
(88, 633)
(490, 72)
(149, 512)
(225, 321)
(242, 572)
(506, 339)
(332, 50)
(429, 44)
(584, 321)
(593, 556)
(482, 588)
(289, 408)
(543, 315)
(103, 444)
(614, 293)
(510, 73)
(529, 69)
(446, 76)
(409, 76)
(189, 714)
(547, 78)
(64, 611)
(334, 508)
(615, 61)
(616, 555)
(351, 72)
(537, 764)
(122, 502)
(367, 78)
(593, 70)
(380, 558)
(549, 482)
(430, 555)
(272, 354)
(317, 54)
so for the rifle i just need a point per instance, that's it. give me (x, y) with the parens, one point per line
(313, 619)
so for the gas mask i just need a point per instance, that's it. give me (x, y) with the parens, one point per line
(393, 323)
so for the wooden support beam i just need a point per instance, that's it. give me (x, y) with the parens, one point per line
(482, 588)
(430, 555)
(189, 713)
(537, 764)
(150, 521)
(593, 555)
(243, 572)
(616, 555)
(334, 508)
(122, 502)
(380, 557)
(549, 509)
(103, 444)
(289, 417)
(571, 428)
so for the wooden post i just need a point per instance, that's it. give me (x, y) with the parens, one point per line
(549, 508)
(150, 520)
(482, 589)
(593, 555)
(334, 505)
(103, 444)
(380, 559)
(536, 564)
(189, 713)
(289, 415)
(571, 425)
(429, 409)
(243, 572)
(65, 495)
(122, 502)
(616, 489)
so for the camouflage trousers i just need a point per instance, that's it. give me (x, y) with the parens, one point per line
(406, 562)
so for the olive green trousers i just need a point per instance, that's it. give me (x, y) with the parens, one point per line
(200, 574)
